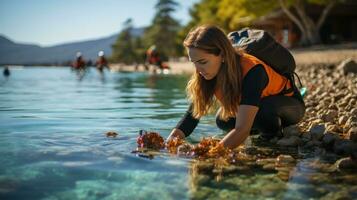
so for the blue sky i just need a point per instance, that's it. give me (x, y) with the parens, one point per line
(50, 22)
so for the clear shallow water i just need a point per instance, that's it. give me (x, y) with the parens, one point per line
(53, 145)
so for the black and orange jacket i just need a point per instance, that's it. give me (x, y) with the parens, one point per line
(277, 83)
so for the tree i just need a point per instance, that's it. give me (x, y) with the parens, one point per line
(124, 47)
(310, 30)
(164, 29)
(203, 12)
(294, 9)
(241, 13)
(233, 14)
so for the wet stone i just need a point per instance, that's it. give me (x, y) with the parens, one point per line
(291, 141)
(346, 164)
(317, 131)
(330, 116)
(329, 139)
(342, 120)
(306, 137)
(284, 160)
(344, 147)
(352, 134)
(333, 128)
(350, 121)
(354, 112)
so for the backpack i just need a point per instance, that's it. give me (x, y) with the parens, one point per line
(262, 45)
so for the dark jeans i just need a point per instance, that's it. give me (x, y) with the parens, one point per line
(275, 113)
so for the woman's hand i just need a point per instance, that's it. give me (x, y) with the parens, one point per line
(244, 122)
(176, 133)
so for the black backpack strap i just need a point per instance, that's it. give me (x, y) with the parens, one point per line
(293, 88)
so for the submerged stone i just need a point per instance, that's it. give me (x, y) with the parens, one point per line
(317, 131)
(346, 164)
(344, 147)
(329, 139)
(291, 141)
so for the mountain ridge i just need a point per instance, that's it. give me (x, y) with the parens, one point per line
(12, 53)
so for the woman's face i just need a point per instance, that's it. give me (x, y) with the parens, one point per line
(206, 64)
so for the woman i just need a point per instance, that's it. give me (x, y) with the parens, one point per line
(249, 92)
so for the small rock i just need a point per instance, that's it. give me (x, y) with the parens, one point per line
(352, 134)
(292, 141)
(354, 112)
(348, 66)
(317, 131)
(344, 147)
(347, 127)
(111, 134)
(346, 164)
(333, 128)
(316, 122)
(284, 164)
(309, 144)
(329, 139)
(342, 104)
(332, 107)
(342, 120)
(350, 121)
(282, 160)
(306, 137)
(329, 116)
(338, 96)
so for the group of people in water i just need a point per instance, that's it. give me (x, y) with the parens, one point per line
(80, 63)
(152, 57)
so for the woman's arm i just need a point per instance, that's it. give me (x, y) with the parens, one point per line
(244, 122)
(253, 85)
(185, 126)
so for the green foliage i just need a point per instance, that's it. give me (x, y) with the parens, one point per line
(235, 14)
(164, 29)
(227, 14)
(167, 34)
(124, 47)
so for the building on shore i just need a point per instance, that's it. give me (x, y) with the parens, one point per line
(339, 26)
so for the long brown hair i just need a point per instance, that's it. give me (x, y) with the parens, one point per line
(228, 81)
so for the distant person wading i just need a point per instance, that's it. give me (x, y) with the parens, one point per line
(79, 63)
(6, 72)
(101, 62)
(153, 57)
(248, 91)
